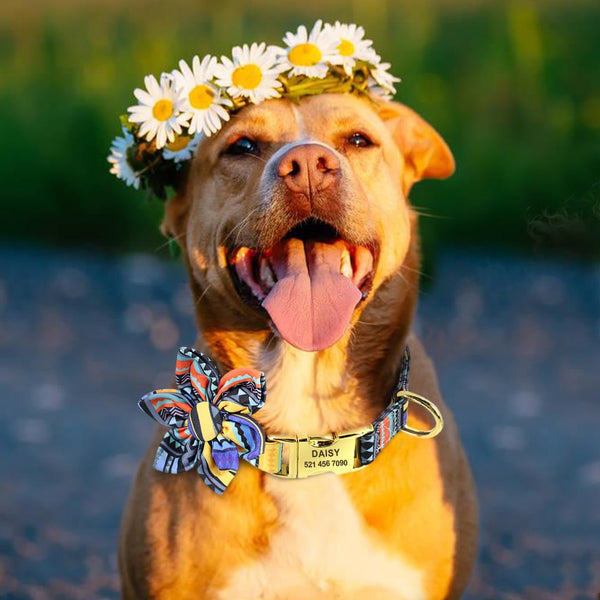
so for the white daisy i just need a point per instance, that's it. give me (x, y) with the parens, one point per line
(381, 78)
(377, 92)
(351, 46)
(158, 111)
(182, 148)
(118, 159)
(308, 54)
(251, 74)
(204, 108)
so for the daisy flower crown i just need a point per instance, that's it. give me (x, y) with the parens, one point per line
(162, 131)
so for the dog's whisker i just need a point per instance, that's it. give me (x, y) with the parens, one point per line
(254, 156)
(269, 344)
(169, 240)
(204, 292)
(430, 215)
(417, 271)
(241, 224)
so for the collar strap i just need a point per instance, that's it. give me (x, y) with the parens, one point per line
(210, 427)
(297, 458)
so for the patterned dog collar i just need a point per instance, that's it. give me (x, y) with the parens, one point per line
(210, 426)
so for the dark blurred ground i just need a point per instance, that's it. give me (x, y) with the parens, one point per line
(517, 347)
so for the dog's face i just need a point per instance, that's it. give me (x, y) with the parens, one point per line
(294, 215)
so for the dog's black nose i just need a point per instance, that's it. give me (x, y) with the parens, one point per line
(307, 169)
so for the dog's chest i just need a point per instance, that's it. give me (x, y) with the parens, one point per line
(321, 548)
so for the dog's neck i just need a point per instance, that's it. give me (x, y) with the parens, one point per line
(309, 392)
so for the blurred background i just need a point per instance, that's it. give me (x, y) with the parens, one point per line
(92, 310)
(514, 88)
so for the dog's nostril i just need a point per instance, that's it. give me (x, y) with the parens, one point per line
(327, 163)
(289, 168)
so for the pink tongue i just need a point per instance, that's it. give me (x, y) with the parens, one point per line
(312, 302)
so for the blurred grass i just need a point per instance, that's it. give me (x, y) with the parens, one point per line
(514, 87)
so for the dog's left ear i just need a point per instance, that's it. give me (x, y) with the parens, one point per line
(426, 155)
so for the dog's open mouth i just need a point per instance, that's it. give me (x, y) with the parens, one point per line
(309, 282)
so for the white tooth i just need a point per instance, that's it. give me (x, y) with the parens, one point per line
(266, 274)
(346, 264)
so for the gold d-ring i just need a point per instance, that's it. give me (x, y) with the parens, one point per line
(433, 410)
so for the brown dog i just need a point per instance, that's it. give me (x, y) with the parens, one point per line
(303, 258)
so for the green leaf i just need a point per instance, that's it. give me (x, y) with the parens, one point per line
(174, 248)
(124, 120)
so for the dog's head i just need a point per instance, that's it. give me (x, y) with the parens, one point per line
(294, 216)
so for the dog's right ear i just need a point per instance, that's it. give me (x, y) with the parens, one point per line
(426, 154)
(175, 216)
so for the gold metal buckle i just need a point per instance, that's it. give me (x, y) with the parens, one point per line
(337, 452)
(431, 408)
(313, 455)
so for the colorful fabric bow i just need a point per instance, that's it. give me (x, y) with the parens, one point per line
(208, 419)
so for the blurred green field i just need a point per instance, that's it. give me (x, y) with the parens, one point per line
(513, 86)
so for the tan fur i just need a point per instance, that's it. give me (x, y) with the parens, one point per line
(409, 520)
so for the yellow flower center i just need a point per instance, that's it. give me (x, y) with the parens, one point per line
(179, 143)
(346, 48)
(163, 110)
(304, 55)
(201, 97)
(247, 77)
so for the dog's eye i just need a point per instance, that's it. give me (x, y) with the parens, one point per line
(242, 145)
(359, 140)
